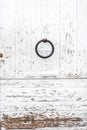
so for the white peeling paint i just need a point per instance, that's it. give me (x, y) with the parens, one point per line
(23, 24)
(29, 84)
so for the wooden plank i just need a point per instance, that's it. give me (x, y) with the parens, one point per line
(7, 39)
(59, 99)
(28, 33)
(41, 22)
(68, 37)
(82, 38)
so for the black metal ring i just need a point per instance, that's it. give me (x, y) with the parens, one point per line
(36, 48)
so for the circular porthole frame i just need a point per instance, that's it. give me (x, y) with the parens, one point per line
(36, 48)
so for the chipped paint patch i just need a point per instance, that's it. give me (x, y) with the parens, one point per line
(30, 122)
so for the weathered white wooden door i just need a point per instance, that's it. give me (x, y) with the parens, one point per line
(43, 92)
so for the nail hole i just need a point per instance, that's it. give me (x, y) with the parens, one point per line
(1, 55)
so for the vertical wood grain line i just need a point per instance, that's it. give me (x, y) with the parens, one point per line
(41, 14)
(31, 47)
(77, 36)
(59, 36)
(15, 39)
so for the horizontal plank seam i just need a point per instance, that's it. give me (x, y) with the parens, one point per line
(41, 78)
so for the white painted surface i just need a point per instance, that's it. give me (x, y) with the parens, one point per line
(59, 98)
(51, 98)
(22, 24)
